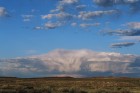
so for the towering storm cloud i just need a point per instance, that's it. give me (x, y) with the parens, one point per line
(71, 62)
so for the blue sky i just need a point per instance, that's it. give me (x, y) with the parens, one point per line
(36, 27)
(18, 33)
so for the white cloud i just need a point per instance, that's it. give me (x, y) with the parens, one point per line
(73, 24)
(59, 16)
(69, 1)
(89, 25)
(70, 62)
(124, 32)
(133, 25)
(64, 4)
(48, 16)
(137, 38)
(27, 18)
(38, 28)
(80, 7)
(3, 12)
(51, 25)
(93, 14)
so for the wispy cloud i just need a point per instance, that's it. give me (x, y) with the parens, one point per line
(51, 25)
(38, 28)
(124, 32)
(133, 38)
(123, 44)
(63, 2)
(133, 4)
(74, 24)
(81, 7)
(89, 25)
(131, 29)
(133, 25)
(84, 15)
(59, 16)
(27, 18)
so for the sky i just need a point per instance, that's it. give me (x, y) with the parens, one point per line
(49, 37)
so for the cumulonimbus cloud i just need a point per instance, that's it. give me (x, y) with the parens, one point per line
(71, 62)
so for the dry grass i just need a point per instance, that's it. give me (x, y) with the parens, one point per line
(70, 85)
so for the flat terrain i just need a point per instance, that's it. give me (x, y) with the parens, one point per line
(70, 85)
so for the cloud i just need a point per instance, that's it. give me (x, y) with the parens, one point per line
(105, 2)
(70, 62)
(114, 2)
(84, 15)
(130, 32)
(137, 38)
(63, 5)
(69, 1)
(59, 16)
(80, 7)
(27, 18)
(124, 44)
(89, 25)
(125, 32)
(3, 12)
(38, 28)
(51, 25)
(134, 4)
(131, 29)
(73, 24)
(133, 25)
(48, 16)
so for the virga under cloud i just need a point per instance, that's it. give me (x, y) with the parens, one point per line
(71, 62)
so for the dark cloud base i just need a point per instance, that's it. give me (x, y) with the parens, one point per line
(76, 63)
